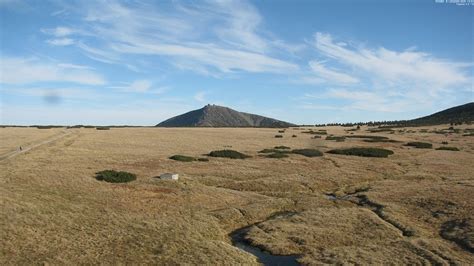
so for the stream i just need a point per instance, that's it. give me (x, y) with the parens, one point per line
(264, 257)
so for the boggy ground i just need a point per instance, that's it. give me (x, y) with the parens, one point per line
(414, 207)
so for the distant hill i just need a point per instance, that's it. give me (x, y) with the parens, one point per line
(219, 116)
(458, 114)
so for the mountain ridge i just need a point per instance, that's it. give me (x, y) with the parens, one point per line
(220, 116)
(456, 114)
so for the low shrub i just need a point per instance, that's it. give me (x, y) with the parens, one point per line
(273, 151)
(366, 137)
(336, 138)
(203, 159)
(294, 136)
(281, 131)
(380, 130)
(308, 152)
(444, 148)
(228, 154)
(319, 132)
(277, 155)
(420, 145)
(102, 128)
(316, 137)
(381, 140)
(113, 176)
(278, 136)
(364, 152)
(444, 142)
(182, 158)
(282, 147)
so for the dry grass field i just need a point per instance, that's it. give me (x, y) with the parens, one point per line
(414, 207)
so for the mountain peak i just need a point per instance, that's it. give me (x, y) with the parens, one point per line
(219, 116)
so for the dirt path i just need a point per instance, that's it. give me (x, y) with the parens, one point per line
(12, 154)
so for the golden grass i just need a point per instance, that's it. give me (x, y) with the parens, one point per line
(54, 211)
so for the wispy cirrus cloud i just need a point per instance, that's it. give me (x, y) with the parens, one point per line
(59, 31)
(212, 37)
(19, 70)
(330, 75)
(200, 96)
(141, 86)
(60, 42)
(379, 79)
(395, 66)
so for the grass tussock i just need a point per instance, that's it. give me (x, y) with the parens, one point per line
(278, 136)
(367, 137)
(113, 176)
(228, 154)
(318, 132)
(445, 148)
(375, 130)
(420, 145)
(364, 152)
(182, 158)
(274, 151)
(282, 147)
(308, 152)
(336, 138)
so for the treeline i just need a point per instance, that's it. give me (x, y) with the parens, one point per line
(395, 123)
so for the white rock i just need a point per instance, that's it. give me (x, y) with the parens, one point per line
(169, 176)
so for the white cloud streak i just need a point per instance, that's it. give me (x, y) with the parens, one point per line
(395, 66)
(17, 70)
(60, 42)
(384, 80)
(329, 74)
(212, 37)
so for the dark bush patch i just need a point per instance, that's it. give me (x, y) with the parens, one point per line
(282, 147)
(277, 155)
(273, 151)
(316, 137)
(308, 152)
(369, 138)
(228, 154)
(336, 138)
(182, 158)
(102, 128)
(366, 137)
(420, 145)
(203, 159)
(281, 131)
(444, 148)
(460, 231)
(319, 132)
(294, 136)
(113, 176)
(380, 130)
(444, 142)
(364, 152)
(278, 136)
(381, 140)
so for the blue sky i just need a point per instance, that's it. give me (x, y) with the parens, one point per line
(140, 62)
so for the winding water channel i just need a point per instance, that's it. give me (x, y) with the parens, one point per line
(264, 257)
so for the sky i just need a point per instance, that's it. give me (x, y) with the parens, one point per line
(306, 62)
